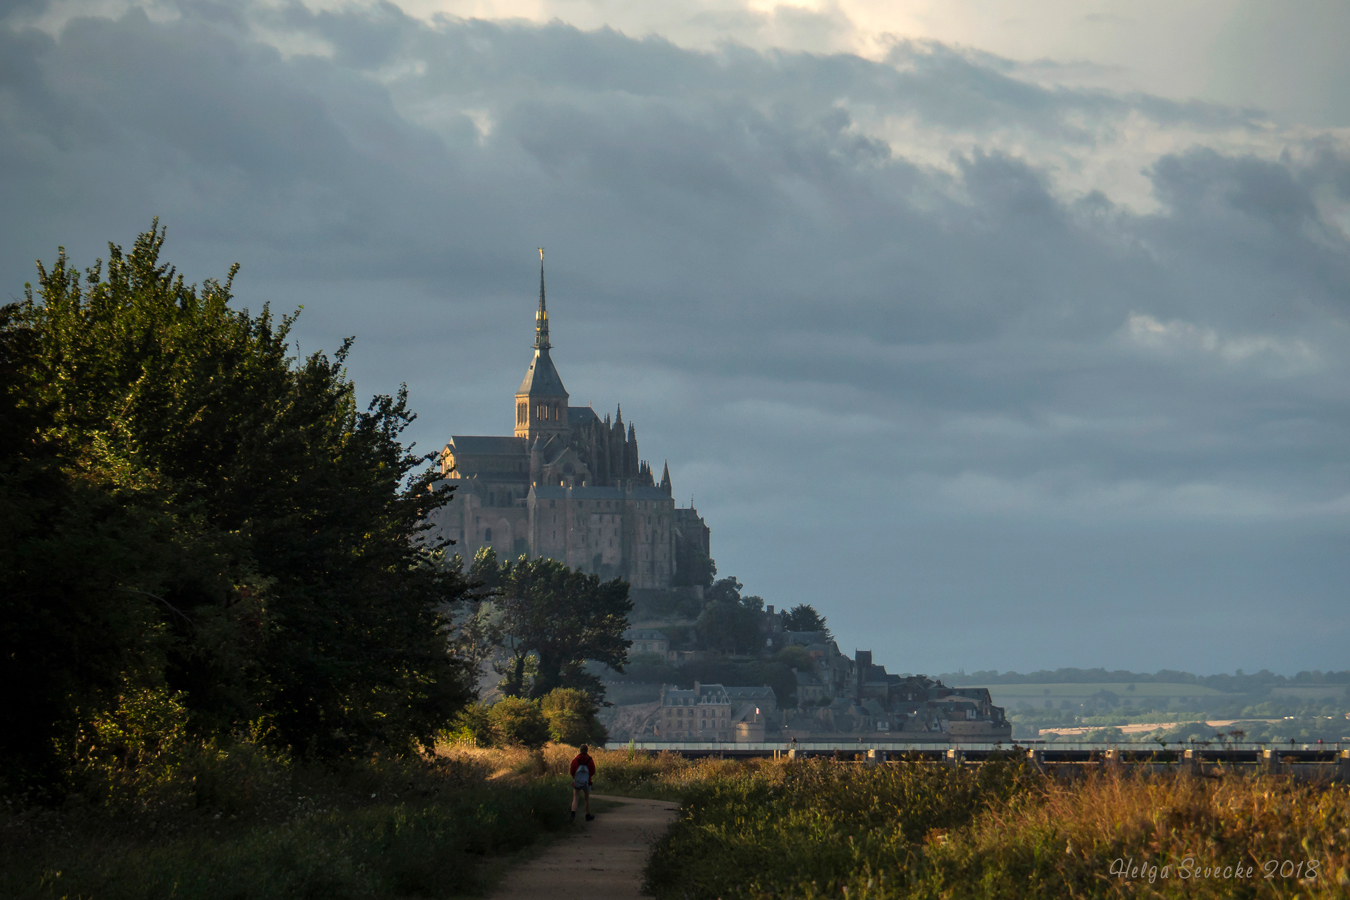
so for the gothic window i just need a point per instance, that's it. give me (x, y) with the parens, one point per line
(487, 534)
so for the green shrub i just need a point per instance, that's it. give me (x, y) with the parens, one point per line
(247, 825)
(571, 715)
(518, 722)
(473, 725)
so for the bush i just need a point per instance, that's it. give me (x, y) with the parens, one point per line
(265, 827)
(517, 722)
(472, 726)
(571, 715)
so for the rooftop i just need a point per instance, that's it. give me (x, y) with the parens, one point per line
(486, 445)
(553, 492)
(542, 378)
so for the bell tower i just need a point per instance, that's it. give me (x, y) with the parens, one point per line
(541, 402)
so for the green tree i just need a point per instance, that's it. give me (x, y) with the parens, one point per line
(553, 620)
(730, 627)
(796, 657)
(186, 506)
(474, 725)
(517, 722)
(725, 590)
(693, 566)
(804, 617)
(572, 718)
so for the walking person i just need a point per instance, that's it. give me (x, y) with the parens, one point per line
(583, 775)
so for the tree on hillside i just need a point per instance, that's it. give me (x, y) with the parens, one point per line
(189, 511)
(797, 657)
(804, 617)
(724, 590)
(553, 620)
(693, 566)
(729, 622)
(730, 627)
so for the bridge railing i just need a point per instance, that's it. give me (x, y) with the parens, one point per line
(1307, 760)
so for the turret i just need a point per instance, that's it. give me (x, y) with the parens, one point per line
(536, 460)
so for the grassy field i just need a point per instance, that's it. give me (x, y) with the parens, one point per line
(1141, 689)
(254, 827)
(821, 829)
(239, 823)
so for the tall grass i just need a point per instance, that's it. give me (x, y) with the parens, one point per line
(241, 824)
(627, 773)
(1001, 830)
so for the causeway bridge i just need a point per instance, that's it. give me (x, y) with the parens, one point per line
(1329, 761)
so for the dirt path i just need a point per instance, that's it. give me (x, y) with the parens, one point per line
(600, 859)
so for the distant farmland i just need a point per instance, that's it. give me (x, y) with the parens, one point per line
(1013, 693)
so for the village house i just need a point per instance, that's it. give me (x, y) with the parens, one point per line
(647, 640)
(701, 714)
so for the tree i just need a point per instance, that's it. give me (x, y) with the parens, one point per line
(188, 507)
(693, 566)
(730, 627)
(572, 718)
(517, 722)
(724, 590)
(797, 657)
(553, 620)
(804, 617)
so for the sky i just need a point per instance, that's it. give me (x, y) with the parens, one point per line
(1008, 335)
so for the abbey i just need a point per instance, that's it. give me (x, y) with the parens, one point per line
(569, 486)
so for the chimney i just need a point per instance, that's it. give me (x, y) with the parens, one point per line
(697, 691)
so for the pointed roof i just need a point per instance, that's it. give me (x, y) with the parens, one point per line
(541, 379)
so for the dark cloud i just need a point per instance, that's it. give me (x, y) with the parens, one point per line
(920, 390)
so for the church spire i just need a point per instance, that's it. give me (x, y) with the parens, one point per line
(541, 317)
(541, 402)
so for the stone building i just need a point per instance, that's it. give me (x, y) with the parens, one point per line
(754, 712)
(703, 714)
(566, 485)
(648, 640)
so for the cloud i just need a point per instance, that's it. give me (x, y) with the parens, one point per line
(1184, 338)
(849, 298)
